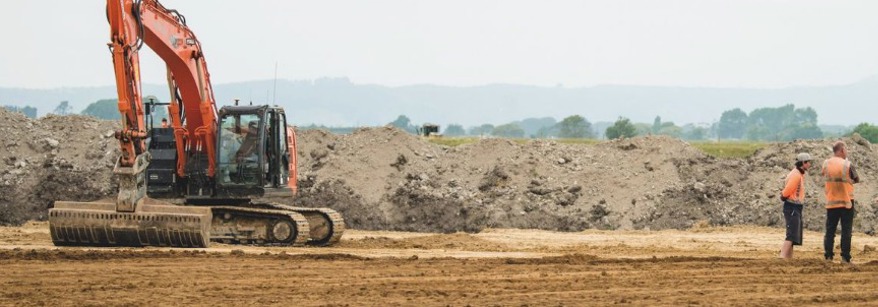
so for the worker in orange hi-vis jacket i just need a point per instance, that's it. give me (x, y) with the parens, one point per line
(793, 196)
(840, 177)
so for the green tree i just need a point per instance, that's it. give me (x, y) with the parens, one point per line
(574, 127)
(867, 131)
(104, 109)
(732, 124)
(404, 123)
(806, 131)
(454, 130)
(769, 123)
(697, 134)
(657, 124)
(536, 127)
(783, 124)
(621, 128)
(485, 129)
(63, 108)
(669, 129)
(759, 132)
(546, 132)
(510, 130)
(802, 125)
(28, 111)
(642, 128)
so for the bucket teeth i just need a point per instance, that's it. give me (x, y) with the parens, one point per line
(98, 224)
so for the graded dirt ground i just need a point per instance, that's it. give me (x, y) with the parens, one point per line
(643, 221)
(497, 267)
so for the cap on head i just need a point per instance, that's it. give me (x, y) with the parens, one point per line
(803, 157)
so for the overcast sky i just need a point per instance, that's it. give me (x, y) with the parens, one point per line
(735, 43)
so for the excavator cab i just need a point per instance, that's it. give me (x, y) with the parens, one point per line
(253, 156)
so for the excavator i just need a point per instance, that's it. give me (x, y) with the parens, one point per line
(226, 175)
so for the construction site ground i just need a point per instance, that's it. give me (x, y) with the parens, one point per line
(643, 221)
(496, 267)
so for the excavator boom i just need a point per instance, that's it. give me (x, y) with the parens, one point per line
(217, 161)
(130, 221)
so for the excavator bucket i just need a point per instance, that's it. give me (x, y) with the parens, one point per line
(100, 224)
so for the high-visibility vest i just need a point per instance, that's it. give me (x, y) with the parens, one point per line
(839, 185)
(794, 187)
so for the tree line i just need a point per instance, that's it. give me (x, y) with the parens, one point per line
(773, 124)
(782, 123)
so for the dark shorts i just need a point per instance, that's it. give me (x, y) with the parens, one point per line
(792, 214)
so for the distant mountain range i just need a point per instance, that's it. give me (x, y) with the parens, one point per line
(339, 102)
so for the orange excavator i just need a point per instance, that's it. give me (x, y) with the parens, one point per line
(224, 175)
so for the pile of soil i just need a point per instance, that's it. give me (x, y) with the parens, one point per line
(386, 179)
(53, 158)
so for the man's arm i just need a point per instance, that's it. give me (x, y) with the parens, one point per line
(854, 176)
(790, 187)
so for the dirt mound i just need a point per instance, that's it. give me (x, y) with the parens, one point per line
(404, 183)
(386, 179)
(747, 191)
(407, 184)
(52, 158)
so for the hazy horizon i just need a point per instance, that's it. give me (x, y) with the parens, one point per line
(687, 43)
(341, 102)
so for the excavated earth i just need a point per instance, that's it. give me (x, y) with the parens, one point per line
(642, 221)
(386, 179)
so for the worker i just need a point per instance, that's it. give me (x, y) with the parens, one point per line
(840, 178)
(249, 144)
(164, 122)
(793, 197)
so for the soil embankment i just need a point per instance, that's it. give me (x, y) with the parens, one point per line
(386, 179)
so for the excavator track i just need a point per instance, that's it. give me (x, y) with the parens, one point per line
(326, 225)
(259, 226)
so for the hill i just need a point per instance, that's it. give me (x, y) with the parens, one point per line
(339, 102)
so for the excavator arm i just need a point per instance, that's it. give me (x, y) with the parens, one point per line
(222, 209)
(131, 221)
(193, 108)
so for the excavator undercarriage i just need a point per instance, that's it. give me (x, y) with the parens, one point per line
(99, 224)
(275, 224)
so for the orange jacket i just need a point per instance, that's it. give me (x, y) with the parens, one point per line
(794, 188)
(839, 184)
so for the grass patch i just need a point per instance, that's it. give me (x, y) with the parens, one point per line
(579, 141)
(456, 141)
(452, 141)
(724, 150)
(729, 149)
